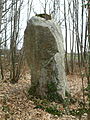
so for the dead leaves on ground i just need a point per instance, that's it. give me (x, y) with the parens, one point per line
(14, 104)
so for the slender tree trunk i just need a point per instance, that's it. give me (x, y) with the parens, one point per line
(72, 66)
(67, 69)
(89, 58)
(5, 25)
(81, 45)
(15, 21)
(1, 67)
(29, 8)
(13, 42)
(85, 42)
(77, 32)
(45, 7)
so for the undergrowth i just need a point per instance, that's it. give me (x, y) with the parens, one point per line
(58, 109)
(52, 106)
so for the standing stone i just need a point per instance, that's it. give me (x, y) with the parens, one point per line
(43, 43)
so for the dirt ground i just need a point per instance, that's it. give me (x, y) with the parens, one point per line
(14, 104)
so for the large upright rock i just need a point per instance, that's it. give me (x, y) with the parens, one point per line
(44, 52)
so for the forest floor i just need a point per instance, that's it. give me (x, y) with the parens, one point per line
(15, 105)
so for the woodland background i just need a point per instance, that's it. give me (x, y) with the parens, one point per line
(74, 18)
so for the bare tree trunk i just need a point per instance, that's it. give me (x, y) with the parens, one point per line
(45, 7)
(85, 42)
(89, 58)
(5, 26)
(72, 66)
(14, 37)
(77, 32)
(29, 7)
(54, 8)
(12, 44)
(1, 9)
(67, 69)
(81, 45)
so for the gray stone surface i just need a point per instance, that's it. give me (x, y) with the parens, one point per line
(43, 43)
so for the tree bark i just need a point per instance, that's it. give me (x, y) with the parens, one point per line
(89, 58)
(1, 9)
(67, 68)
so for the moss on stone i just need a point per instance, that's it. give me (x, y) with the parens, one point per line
(32, 90)
(52, 94)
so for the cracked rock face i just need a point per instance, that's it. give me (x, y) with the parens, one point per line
(43, 43)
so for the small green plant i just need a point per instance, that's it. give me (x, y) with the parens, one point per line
(87, 88)
(78, 112)
(45, 102)
(32, 90)
(53, 110)
(5, 108)
(50, 107)
(39, 107)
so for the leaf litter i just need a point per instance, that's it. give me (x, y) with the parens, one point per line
(15, 105)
